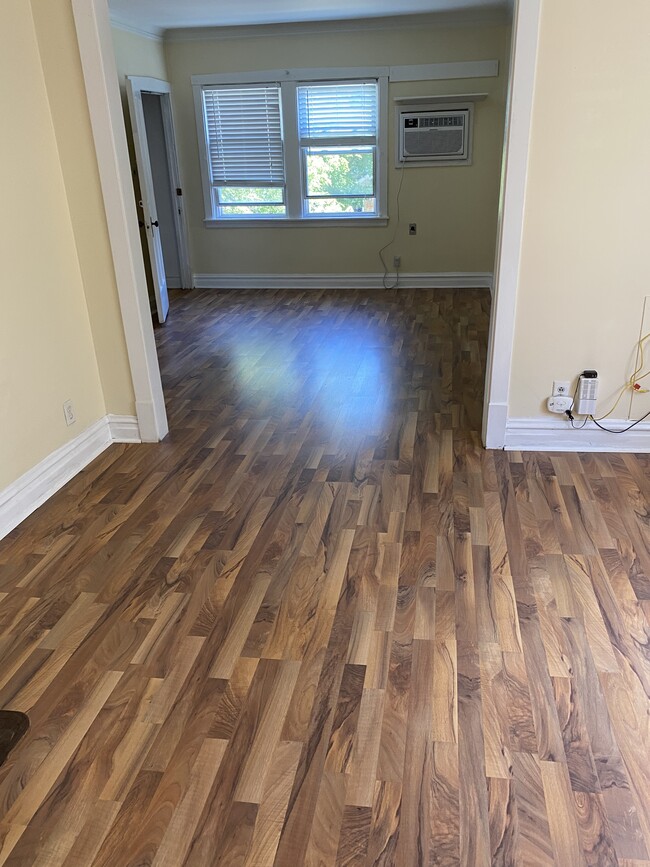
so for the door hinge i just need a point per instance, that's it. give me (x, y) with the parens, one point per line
(179, 191)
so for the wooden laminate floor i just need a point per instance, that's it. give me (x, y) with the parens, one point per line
(319, 625)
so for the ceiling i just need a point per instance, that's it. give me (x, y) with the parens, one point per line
(156, 16)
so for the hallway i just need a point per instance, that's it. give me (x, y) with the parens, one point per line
(319, 624)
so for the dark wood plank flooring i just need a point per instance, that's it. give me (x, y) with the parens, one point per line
(319, 624)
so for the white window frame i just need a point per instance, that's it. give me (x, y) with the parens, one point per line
(214, 185)
(288, 81)
(344, 145)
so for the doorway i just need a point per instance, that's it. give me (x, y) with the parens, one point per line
(161, 208)
(162, 185)
(94, 35)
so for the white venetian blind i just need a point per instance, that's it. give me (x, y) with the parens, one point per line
(244, 133)
(347, 110)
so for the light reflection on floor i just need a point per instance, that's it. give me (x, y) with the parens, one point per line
(340, 373)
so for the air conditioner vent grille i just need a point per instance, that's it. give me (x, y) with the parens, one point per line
(435, 142)
(434, 135)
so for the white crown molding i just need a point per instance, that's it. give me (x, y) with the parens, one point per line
(155, 34)
(449, 20)
(439, 280)
(557, 435)
(33, 488)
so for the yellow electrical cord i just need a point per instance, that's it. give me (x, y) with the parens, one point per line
(633, 381)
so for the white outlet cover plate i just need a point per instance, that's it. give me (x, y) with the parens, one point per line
(69, 413)
(561, 386)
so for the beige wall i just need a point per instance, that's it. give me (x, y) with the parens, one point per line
(57, 44)
(46, 344)
(138, 55)
(454, 207)
(587, 219)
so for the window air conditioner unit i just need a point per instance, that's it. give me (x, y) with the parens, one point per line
(436, 135)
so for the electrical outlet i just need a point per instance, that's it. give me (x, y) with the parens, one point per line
(561, 386)
(397, 262)
(68, 412)
(413, 228)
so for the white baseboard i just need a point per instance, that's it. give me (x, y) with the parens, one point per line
(495, 424)
(435, 280)
(557, 435)
(37, 485)
(150, 426)
(124, 428)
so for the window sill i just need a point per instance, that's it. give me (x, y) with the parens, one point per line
(285, 222)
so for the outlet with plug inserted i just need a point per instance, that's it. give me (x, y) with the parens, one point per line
(587, 392)
(559, 403)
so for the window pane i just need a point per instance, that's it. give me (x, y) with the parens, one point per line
(342, 206)
(250, 195)
(252, 211)
(337, 110)
(332, 172)
(244, 134)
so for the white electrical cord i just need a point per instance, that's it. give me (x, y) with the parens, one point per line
(392, 240)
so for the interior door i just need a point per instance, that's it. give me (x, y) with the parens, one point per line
(134, 94)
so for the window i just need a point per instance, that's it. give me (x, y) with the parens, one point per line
(245, 151)
(337, 125)
(307, 150)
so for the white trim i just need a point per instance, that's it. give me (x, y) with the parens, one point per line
(557, 435)
(416, 72)
(439, 280)
(124, 428)
(443, 71)
(33, 488)
(382, 147)
(521, 91)
(105, 106)
(443, 98)
(276, 222)
(150, 85)
(119, 24)
(328, 73)
(293, 164)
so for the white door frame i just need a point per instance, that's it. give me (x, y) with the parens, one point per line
(163, 89)
(148, 200)
(521, 88)
(102, 89)
(100, 74)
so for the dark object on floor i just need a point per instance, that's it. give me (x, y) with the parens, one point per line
(13, 726)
